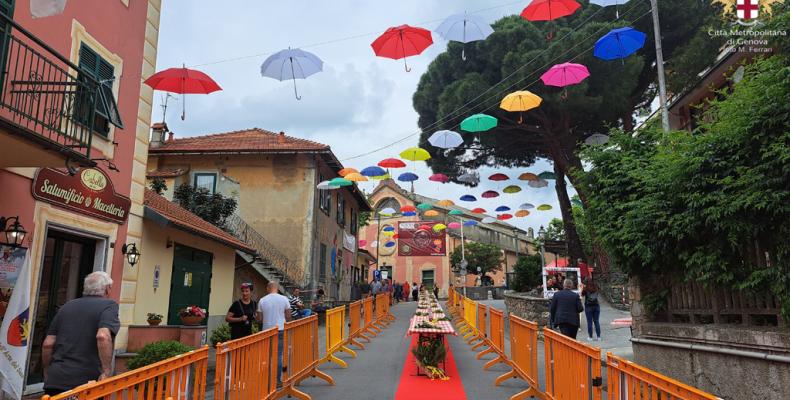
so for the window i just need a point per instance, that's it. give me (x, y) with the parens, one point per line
(354, 222)
(389, 202)
(324, 198)
(207, 181)
(106, 110)
(322, 263)
(341, 209)
(427, 278)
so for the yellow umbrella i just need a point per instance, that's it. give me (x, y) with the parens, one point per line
(380, 178)
(431, 213)
(445, 203)
(522, 213)
(544, 207)
(439, 227)
(345, 171)
(415, 154)
(522, 100)
(388, 233)
(356, 177)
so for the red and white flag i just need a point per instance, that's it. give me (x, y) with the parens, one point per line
(747, 9)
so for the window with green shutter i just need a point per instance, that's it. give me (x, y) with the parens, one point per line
(106, 111)
(7, 10)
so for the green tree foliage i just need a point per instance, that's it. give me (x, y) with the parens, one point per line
(528, 273)
(712, 207)
(486, 256)
(214, 208)
(158, 185)
(157, 351)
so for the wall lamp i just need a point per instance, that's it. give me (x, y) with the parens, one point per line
(14, 233)
(131, 252)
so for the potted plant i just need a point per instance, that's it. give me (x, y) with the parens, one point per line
(192, 315)
(154, 319)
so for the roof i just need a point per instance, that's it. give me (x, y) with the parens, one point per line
(159, 208)
(366, 254)
(255, 140)
(165, 173)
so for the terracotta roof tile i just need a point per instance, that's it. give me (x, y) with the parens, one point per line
(185, 220)
(248, 140)
(165, 173)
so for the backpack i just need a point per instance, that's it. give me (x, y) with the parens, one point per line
(591, 299)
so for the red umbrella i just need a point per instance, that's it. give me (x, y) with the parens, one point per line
(424, 227)
(391, 163)
(489, 194)
(402, 41)
(479, 210)
(439, 178)
(183, 81)
(547, 10)
(498, 177)
(408, 208)
(503, 217)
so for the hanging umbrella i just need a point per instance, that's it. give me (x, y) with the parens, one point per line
(374, 244)
(607, 3)
(439, 178)
(540, 183)
(478, 123)
(356, 177)
(407, 177)
(446, 139)
(498, 177)
(566, 74)
(520, 101)
(373, 172)
(182, 81)
(522, 213)
(454, 225)
(340, 182)
(489, 194)
(464, 28)
(388, 233)
(345, 171)
(526, 206)
(291, 64)
(402, 41)
(415, 154)
(488, 220)
(596, 139)
(528, 176)
(395, 236)
(619, 43)
(391, 163)
(381, 177)
(468, 197)
(439, 227)
(544, 207)
(456, 212)
(431, 213)
(470, 223)
(547, 175)
(389, 244)
(547, 10)
(408, 208)
(326, 185)
(511, 189)
(409, 213)
(502, 208)
(387, 211)
(445, 203)
(362, 242)
(424, 206)
(473, 179)
(479, 210)
(424, 227)
(504, 217)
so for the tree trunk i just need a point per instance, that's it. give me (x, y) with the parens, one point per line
(575, 250)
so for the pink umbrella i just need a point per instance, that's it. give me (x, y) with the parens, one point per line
(489, 194)
(439, 178)
(565, 74)
(454, 225)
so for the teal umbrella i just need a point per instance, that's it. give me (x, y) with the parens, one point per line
(456, 212)
(340, 182)
(547, 175)
(424, 206)
(478, 123)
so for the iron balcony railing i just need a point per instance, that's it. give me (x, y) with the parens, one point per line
(44, 96)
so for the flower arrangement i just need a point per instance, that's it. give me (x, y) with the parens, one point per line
(429, 352)
(154, 316)
(421, 314)
(193, 311)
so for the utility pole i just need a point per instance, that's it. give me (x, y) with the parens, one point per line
(662, 85)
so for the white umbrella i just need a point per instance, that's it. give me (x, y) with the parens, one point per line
(596, 139)
(472, 178)
(291, 64)
(325, 185)
(607, 3)
(538, 183)
(387, 211)
(464, 28)
(488, 220)
(446, 139)
(526, 206)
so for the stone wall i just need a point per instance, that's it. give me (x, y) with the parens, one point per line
(534, 309)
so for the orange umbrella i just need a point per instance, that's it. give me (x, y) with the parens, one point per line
(522, 213)
(356, 177)
(528, 176)
(345, 171)
(445, 203)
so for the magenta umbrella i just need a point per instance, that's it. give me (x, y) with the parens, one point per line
(439, 178)
(565, 74)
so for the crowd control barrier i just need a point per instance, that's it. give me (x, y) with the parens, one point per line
(300, 356)
(458, 313)
(482, 333)
(247, 367)
(380, 312)
(470, 317)
(369, 330)
(573, 369)
(180, 377)
(495, 339)
(630, 381)
(335, 336)
(355, 324)
(524, 357)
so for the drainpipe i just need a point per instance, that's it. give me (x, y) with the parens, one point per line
(711, 349)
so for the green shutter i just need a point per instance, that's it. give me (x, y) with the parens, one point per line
(7, 8)
(104, 72)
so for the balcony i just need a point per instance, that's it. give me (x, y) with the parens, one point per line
(45, 103)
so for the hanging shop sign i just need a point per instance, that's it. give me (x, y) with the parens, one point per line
(420, 239)
(89, 192)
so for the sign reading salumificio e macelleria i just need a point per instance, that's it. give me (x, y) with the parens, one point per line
(88, 192)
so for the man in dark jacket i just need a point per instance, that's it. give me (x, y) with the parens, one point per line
(564, 310)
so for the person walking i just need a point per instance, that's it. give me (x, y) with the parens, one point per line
(414, 291)
(79, 345)
(592, 309)
(375, 287)
(274, 310)
(364, 289)
(398, 292)
(564, 310)
(406, 291)
(241, 313)
(436, 291)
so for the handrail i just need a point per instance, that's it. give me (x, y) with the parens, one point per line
(38, 41)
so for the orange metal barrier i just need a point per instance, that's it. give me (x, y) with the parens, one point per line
(629, 381)
(524, 358)
(573, 369)
(247, 367)
(380, 317)
(482, 314)
(459, 312)
(355, 324)
(470, 318)
(300, 356)
(496, 338)
(335, 336)
(180, 377)
(369, 328)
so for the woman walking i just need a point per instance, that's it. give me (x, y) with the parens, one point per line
(592, 309)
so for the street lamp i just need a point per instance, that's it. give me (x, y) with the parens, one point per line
(131, 253)
(15, 233)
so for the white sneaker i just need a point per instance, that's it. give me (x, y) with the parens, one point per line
(597, 339)
(589, 339)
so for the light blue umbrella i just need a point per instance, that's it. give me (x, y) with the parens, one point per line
(445, 139)
(291, 64)
(464, 28)
(607, 3)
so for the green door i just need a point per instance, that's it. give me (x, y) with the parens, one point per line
(191, 282)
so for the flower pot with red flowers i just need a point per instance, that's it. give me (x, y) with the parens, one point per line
(154, 319)
(192, 315)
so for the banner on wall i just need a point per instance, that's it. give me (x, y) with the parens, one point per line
(418, 238)
(349, 242)
(15, 328)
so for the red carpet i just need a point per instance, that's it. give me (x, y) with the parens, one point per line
(413, 387)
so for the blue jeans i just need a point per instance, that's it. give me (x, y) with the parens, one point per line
(279, 357)
(593, 313)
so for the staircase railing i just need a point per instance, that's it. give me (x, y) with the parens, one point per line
(292, 271)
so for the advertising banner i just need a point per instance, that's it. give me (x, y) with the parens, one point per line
(89, 192)
(419, 239)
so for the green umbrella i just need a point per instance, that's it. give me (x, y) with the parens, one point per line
(478, 123)
(456, 212)
(340, 182)
(547, 175)
(424, 206)
(544, 207)
(512, 189)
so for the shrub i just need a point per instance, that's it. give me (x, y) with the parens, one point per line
(157, 351)
(222, 333)
(528, 273)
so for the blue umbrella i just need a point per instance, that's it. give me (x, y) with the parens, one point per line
(409, 214)
(389, 244)
(407, 177)
(388, 228)
(291, 64)
(502, 208)
(373, 171)
(619, 43)
(470, 223)
(468, 197)
(464, 28)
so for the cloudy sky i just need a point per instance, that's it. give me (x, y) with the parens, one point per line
(358, 103)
